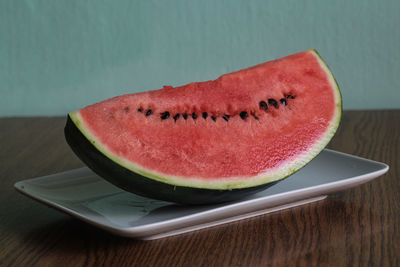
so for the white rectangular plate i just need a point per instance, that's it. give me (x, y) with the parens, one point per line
(83, 194)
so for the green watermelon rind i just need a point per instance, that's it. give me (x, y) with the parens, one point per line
(283, 171)
(132, 182)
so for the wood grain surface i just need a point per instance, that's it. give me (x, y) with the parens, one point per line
(356, 227)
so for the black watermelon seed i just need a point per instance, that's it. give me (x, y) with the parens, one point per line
(194, 115)
(176, 117)
(289, 97)
(255, 117)
(214, 118)
(273, 102)
(226, 117)
(148, 112)
(263, 105)
(283, 101)
(140, 110)
(165, 115)
(184, 115)
(243, 115)
(205, 115)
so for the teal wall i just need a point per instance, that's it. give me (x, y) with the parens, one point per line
(59, 55)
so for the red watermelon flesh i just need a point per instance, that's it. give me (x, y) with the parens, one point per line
(263, 123)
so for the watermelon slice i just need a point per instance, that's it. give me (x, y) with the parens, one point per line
(212, 141)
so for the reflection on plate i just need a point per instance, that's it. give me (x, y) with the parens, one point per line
(84, 195)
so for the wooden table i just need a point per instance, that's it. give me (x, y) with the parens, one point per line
(357, 227)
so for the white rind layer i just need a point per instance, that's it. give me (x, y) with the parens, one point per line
(228, 183)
